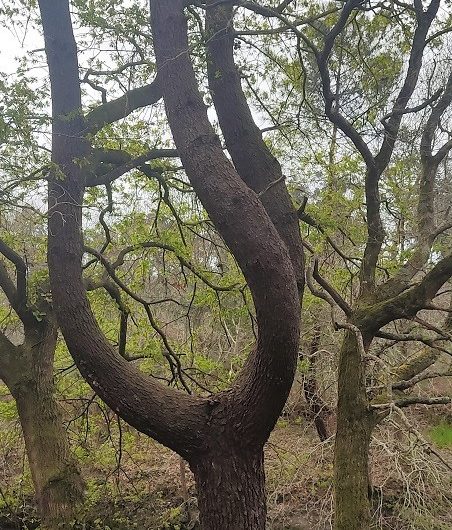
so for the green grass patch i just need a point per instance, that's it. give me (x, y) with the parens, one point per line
(442, 434)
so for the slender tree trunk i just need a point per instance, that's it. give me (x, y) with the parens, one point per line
(58, 485)
(317, 407)
(231, 491)
(351, 452)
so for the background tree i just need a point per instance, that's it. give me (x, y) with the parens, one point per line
(29, 331)
(412, 284)
(27, 369)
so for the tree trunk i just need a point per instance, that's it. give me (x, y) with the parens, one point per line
(202, 430)
(317, 407)
(57, 482)
(231, 491)
(351, 452)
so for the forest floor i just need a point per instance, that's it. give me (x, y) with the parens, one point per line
(140, 484)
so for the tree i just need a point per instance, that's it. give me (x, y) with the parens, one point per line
(380, 303)
(221, 436)
(27, 370)
(29, 330)
(360, 68)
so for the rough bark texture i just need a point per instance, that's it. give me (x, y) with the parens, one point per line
(399, 297)
(227, 429)
(319, 410)
(57, 481)
(354, 428)
(252, 159)
(237, 477)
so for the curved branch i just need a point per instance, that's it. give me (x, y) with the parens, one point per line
(121, 107)
(16, 294)
(259, 393)
(173, 418)
(156, 244)
(261, 171)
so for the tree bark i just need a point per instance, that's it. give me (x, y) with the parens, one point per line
(57, 481)
(318, 409)
(231, 491)
(253, 160)
(353, 433)
(200, 429)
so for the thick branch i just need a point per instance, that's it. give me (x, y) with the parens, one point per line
(422, 400)
(407, 303)
(374, 223)
(21, 272)
(404, 385)
(414, 400)
(121, 107)
(414, 366)
(123, 162)
(243, 136)
(331, 105)
(258, 395)
(173, 418)
(16, 294)
(7, 351)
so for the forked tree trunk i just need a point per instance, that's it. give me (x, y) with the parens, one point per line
(58, 484)
(351, 452)
(231, 479)
(231, 491)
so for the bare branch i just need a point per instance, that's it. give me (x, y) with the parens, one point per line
(414, 400)
(330, 289)
(412, 110)
(115, 294)
(121, 107)
(403, 385)
(127, 163)
(424, 21)
(308, 219)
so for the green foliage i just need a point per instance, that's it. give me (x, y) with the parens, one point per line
(8, 410)
(210, 331)
(442, 435)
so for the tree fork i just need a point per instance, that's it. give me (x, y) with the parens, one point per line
(231, 426)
